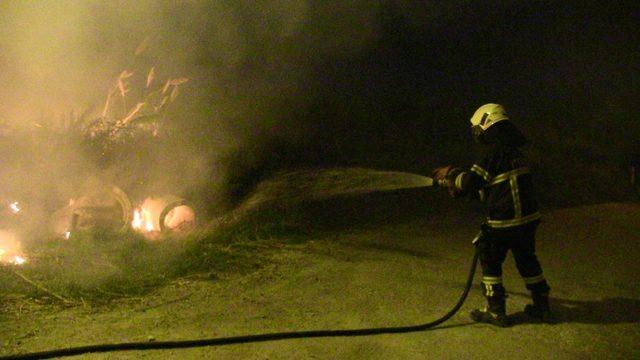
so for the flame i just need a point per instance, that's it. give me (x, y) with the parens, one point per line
(148, 226)
(149, 218)
(142, 220)
(14, 207)
(10, 249)
(18, 260)
(136, 224)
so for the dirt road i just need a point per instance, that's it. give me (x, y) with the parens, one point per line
(396, 274)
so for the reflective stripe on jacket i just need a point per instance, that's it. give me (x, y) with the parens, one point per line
(505, 185)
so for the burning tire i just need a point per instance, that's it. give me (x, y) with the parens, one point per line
(163, 214)
(108, 208)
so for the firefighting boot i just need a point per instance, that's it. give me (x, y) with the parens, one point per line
(494, 313)
(539, 310)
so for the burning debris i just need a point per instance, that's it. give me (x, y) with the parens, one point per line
(142, 220)
(132, 107)
(110, 208)
(11, 259)
(10, 249)
(15, 207)
(69, 224)
(116, 136)
(103, 207)
(163, 214)
(11, 207)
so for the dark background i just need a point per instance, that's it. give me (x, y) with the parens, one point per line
(567, 72)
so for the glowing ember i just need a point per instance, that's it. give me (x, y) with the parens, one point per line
(14, 207)
(18, 260)
(15, 259)
(180, 218)
(142, 220)
(163, 214)
(136, 224)
(148, 226)
(10, 249)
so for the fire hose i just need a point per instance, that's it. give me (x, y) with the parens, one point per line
(253, 338)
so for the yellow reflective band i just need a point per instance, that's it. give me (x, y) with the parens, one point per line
(513, 222)
(515, 193)
(533, 279)
(489, 291)
(488, 288)
(492, 280)
(459, 180)
(482, 172)
(505, 176)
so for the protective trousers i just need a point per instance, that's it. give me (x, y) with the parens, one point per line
(493, 246)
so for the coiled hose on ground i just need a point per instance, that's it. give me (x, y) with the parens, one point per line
(252, 338)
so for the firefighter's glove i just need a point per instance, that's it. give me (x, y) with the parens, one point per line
(444, 177)
(439, 175)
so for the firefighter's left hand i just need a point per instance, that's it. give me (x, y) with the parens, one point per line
(441, 173)
(442, 177)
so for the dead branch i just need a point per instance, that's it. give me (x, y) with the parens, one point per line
(41, 288)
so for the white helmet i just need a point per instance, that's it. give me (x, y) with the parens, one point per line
(488, 115)
(485, 117)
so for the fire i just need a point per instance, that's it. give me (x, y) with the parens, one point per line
(18, 260)
(15, 259)
(142, 220)
(148, 226)
(136, 224)
(163, 214)
(10, 249)
(15, 207)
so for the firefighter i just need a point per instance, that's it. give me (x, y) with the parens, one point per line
(503, 182)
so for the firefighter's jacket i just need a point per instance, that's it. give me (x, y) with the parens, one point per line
(502, 179)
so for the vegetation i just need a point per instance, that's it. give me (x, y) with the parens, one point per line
(96, 266)
(99, 264)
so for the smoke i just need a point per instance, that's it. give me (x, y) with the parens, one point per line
(249, 65)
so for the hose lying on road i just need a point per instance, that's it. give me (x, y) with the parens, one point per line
(251, 338)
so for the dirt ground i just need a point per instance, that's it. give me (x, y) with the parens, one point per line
(391, 275)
